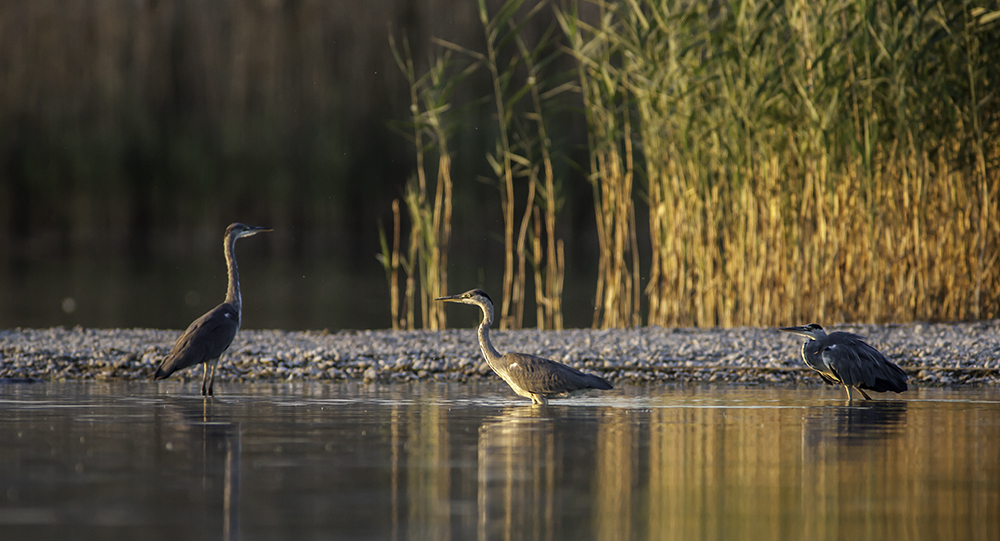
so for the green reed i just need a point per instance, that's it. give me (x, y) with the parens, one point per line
(522, 156)
(429, 128)
(805, 161)
(801, 161)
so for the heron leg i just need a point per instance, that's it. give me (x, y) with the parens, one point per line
(864, 394)
(204, 379)
(211, 380)
(849, 397)
(539, 399)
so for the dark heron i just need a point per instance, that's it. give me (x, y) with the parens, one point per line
(845, 358)
(208, 337)
(531, 377)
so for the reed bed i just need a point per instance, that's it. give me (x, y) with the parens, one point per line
(830, 161)
(801, 161)
(522, 155)
(605, 94)
(429, 129)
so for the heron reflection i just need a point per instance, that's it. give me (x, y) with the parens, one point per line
(859, 425)
(192, 431)
(518, 475)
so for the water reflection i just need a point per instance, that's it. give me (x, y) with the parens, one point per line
(516, 475)
(859, 424)
(190, 430)
(441, 461)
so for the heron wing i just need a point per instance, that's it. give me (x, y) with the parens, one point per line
(884, 375)
(548, 378)
(860, 365)
(205, 339)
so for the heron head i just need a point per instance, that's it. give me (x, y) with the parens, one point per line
(238, 230)
(812, 331)
(472, 296)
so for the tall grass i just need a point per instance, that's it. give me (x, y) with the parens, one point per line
(430, 127)
(512, 158)
(549, 265)
(522, 155)
(805, 161)
(504, 160)
(801, 161)
(605, 92)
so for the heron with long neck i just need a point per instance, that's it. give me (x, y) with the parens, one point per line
(845, 358)
(209, 336)
(529, 376)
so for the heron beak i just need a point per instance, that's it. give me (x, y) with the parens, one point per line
(801, 331)
(254, 230)
(452, 298)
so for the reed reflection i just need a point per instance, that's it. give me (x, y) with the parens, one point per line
(520, 470)
(190, 430)
(433, 461)
(719, 473)
(428, 485)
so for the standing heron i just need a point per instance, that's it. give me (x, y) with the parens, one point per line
(208, 337)
(531, 377)
(845, 358)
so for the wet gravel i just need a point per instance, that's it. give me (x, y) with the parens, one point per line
(932, 354)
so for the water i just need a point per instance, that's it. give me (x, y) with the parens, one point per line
(451, 461)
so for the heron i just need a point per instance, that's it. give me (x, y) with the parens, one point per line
(529, 376)
(845, 358)
(208, 337)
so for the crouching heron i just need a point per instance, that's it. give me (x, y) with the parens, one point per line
(531, 377)
(845, 358)
(208, 337)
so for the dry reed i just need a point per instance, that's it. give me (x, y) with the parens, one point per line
(522, 142)
(612, 172)
(430, 219)
(805, 161)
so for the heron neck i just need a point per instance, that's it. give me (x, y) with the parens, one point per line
(233, 294)
(490, 352)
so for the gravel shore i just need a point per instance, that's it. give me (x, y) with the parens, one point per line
(932, 354)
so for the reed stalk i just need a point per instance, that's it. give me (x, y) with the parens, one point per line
(503, 162)
(604, 90)
(522, 142)
(802, 161)
(548, 284)
(430, 217)
(391, 262)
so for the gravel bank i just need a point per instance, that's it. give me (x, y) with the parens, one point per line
(933, 354)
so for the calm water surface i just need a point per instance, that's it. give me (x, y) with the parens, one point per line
(467, 461)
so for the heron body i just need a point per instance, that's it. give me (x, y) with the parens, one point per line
(529, 376)
(846, 359)
(208, 337)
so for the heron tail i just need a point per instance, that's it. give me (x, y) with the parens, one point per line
(597, 382)
(892, 379)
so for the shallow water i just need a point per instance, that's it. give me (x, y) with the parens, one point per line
(463, 461)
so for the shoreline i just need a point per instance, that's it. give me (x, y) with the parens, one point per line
(931, 354)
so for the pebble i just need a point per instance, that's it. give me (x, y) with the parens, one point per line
(931, 353)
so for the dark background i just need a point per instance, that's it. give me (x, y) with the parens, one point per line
(133, 132)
